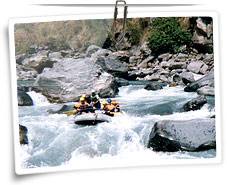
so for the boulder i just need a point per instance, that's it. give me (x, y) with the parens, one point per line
(25, 73)
(92, 49)
(195, 103)
(186, 135)
(203, 70)
(164, 57)
(122, 56)
(153, 77)
(23, 135)
(63, 109)
(207, 80)
(113, 66)
(144, 63)
(195, 66)
(155, 85)
(23, 99)
(70, 78)
(20, 58)
(39, 61)
(177, 65)
(187, 77)
(206, 90)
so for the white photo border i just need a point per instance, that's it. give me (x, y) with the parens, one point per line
(109, 163)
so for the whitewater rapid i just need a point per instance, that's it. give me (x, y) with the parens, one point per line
(55, 141)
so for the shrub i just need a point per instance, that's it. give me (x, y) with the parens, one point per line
(135, 31)
(166, 35)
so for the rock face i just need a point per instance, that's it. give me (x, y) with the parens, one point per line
(195, 103)
(207, 80)
(195, 66)
(23, 135)
(70, 78)
(191, 135)
(23, 98)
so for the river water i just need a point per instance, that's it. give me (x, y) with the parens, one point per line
(55, 141)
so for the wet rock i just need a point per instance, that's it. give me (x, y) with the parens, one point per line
(155, 85)
(121, 82)
(23, 135)
(195, 66)
(195, 104)
(70, 78)
(207, 80)
(186, 135)
(63, 109)
(206, 90)
(23, 99)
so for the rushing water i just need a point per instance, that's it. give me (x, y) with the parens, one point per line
(54, 140)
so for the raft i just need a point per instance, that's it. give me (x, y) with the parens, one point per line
(91, 119)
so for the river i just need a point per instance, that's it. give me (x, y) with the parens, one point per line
(55, 141)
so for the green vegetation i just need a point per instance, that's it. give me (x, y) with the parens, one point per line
(166, 35)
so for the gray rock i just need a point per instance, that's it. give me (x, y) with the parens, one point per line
(39, 61)
(204, 69)
(164, 57)
(188, 135)
(23, 135)
(165, 64)
(187, 77)
(122, 56)
(23, 99)
(70, 78)
(155, 85)
(177, 65)
(207, 80)
(20, 58)
(144, 63)
(92, 49)
(121, 82)
(113, 66)
(25, 73)
(206, 90)
(195, 103)
(153, 77)
(195, 66)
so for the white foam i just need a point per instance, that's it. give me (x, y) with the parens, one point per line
(38, 99)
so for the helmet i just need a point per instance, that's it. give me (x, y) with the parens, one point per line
(93, 93)
(82, 99)
(83, 96)
(108, 100)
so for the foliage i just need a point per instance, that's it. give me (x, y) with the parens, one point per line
(166, 35)
(135, 31)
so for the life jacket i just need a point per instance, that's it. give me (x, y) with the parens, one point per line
(81, 106)
(95, 98)
(109, 107)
